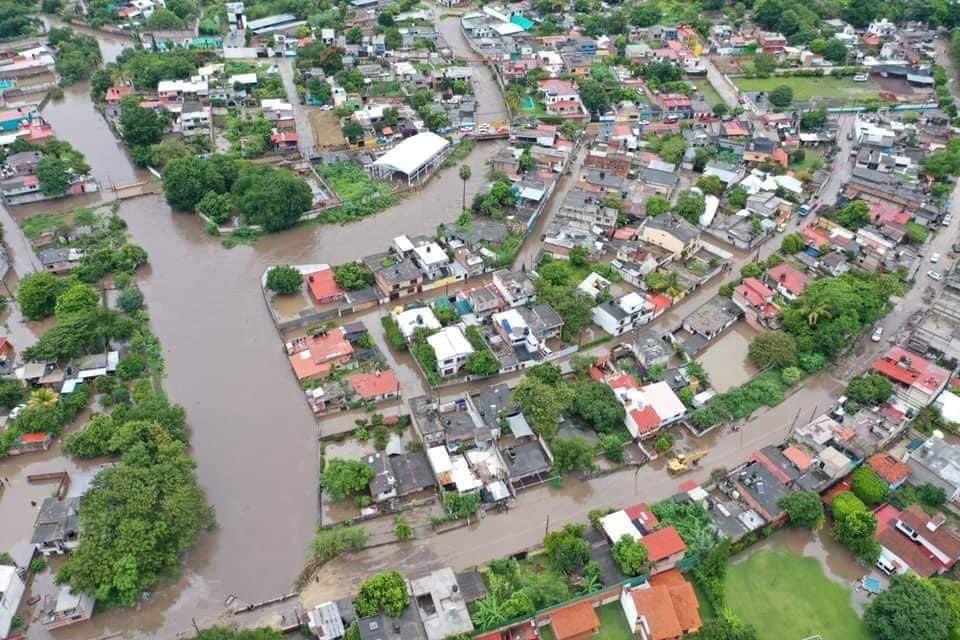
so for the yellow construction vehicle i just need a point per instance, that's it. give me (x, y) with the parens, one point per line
(685, 461)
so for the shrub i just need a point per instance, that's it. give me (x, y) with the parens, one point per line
(284, 280)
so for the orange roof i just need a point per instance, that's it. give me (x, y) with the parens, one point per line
(888, 467)
(574, 620)
(323, 286)
(374, 385)
(659, 301)
(36, 437)
(623, 381)
(800, 459)
(663, 544)
(656, 606)
(319, 354)
(646, 419)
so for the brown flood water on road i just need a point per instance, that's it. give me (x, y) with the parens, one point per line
(253, 437)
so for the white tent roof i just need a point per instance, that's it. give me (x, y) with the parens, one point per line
(618, 524)
(413, 153)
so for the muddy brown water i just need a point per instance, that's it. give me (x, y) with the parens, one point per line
(726, 360)
(253, 438)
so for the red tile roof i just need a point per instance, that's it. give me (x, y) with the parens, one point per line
(757, 295)
(284, 136)
(558, 87)
(943, 537)
(733, 129)
(659, 301)
(911, 369)
(646, 419)
(788, 276)
(323, 286)
(320, 354)
(574, 620)
(663, 543)
(914, 555)
(33, 438)
(888, 467)
(623, 381)
(800, 458)
(641, 512)
(657, 608)
(374, 385)
(115, 94)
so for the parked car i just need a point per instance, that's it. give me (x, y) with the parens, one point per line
(947, 219)
(956, 247)
(860, 77)
(877, 334)
(935, 258)
(804, 210)
(838, 413)
(934, 275)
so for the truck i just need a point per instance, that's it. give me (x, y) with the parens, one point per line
(684, 462)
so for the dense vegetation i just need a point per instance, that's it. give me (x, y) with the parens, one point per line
(78, 54)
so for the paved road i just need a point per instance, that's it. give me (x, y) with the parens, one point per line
(304, 130)
(721, 85)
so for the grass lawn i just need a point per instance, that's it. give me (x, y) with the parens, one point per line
(805, 89)
(788, 597)
(710, 95)
(810, 158)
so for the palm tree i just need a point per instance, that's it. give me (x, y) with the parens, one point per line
(465, 174)
(816, 311)
(674, 286)
(43, 399)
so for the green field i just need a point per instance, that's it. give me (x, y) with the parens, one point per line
(788, 597)
(804, 89)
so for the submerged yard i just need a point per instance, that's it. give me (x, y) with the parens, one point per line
(786, 596)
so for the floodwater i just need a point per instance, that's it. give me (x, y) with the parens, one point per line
(253, 437)
(726, 359)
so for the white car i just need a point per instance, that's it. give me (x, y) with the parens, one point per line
(947, 219)
(935, 275)
(877, 334)
(860, 77)
(935, 258)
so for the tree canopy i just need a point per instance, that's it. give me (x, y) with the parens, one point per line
(567, 548)
(271, 197)
(630, 555)
(804, 508)
(911, 609)
(37, 294)
(868, 486)
(284, 279)
(344, 478)
(382, 593)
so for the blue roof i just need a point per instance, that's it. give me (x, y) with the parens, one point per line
(524, 23)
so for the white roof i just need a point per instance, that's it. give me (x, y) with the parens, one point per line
(519, 426)
(618, 524)
(506, 28)
(463, 476)
(511, 321)
(416, 318)
(243, 78)
(663, 400)
(710, 206)
(949, 405)
(440, 459)
(450, 342)
(593, 284)
(789, 183)
(431, 253)
(413, 153)
(7, 574)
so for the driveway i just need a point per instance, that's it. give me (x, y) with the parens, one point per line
(304, 130)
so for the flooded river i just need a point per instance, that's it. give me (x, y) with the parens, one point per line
(253, 438)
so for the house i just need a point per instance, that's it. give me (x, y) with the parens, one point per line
(771, 42)
(285, 141)
(672, 233)
(649, 407)
(875, 186)
(913, 540)
(576, 621)
(194, 119)
(11, 592)
(440, 604)
(57, 528)
(587, 210)
(381, 385)
(937, 462)
(66, 608)
(414, 319)
(762, 491)
(432, 260)
(756, 300)
(382, 627)
(617, 317)
(594, 285)
(917, 381)
(650, 349)
(789, 281)
(561, 98)
(527, 459)
(891, 470)
(402, 278)
(59, 260)
(400, 475)
(665, 608)
(323, 286)
(515, 287)
(316, 356)
(659, 182)
(708, 321)
(665, 548)
(451, 348)
(325, 621)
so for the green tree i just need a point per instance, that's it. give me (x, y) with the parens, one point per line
(53, 174)
(344, 478)
(567, 548)
(657, 206)
(330, 543)
(868, 486)
(804, 508)
(594, 96)
(402, 529)
(352, 131)
(711, 184)
(351, 276)
(37, 294)
(835, 51)
(187, 179)
(764, 63)
(738, 197)
(911, 609)
(773, 348)
(869, 389)
(855, 531)
(724, 628)
(598, 406)
(781, 96)
(814, 119)
(571, 454)
(284, 280)
(164, 20)
(79, 297)
(854, 215)
(130, 299)
(270, 197)
(465, 174)
(140, 127)
(792, 243)
(222, 633)
(690, 206)
(392, 39)
(542, 404)
(382, 593)
(672, 148)
(663, 443)
(630, 556)
(612, 447)
(320, 91)
(354, 35)
(216, 206)
(482, 363)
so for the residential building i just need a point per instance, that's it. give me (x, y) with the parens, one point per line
(432, 260)
(649, 407)
(651, 349)
(875, 186)
(762, 491)
(708, 321)
(789, 281)
(617, 317)
(451, 348)
(57, 528)
(892, 471)
(756, 300)
(665, 548)
(323, 286)
(515, 287)
(414, 319)
(11, 592)
(316, 356)
(664, 608)
(399, 475)
(937, 462)
(194, 120)
(917, 381)
(587, 210)
(440, 604)
(325, 621)
(659, 182)
(400, 279)
(672, 233)
(913, 540)
(375, 387)
(66, 608)
(576, 621)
